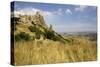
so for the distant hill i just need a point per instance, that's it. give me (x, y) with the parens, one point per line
(91, 35)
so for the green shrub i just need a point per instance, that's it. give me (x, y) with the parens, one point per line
(55, 38)
(17, 37)
(49, 34)
(32, 28)
(22, 36)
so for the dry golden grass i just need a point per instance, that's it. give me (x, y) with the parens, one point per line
(48, 51)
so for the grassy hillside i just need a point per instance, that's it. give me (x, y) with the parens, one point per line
(48, 51)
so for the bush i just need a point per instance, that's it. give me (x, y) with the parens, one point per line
(55, 38)
(49, 35)
(22, 36)
(17, 37)
(32, 28)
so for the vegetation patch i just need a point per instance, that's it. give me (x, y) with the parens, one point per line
(22, 36)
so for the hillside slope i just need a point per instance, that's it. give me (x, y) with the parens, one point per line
(28, 27)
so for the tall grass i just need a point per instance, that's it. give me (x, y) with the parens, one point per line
(48, 51)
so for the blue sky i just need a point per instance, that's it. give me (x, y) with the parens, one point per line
(63, 17)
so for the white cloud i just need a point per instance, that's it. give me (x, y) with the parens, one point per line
(58, 12)
(46, 13)
(80, 8)
(35, 10)
(32, 11)
(68, 11)
(26, 11)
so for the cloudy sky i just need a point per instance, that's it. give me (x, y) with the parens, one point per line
(63, 17)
